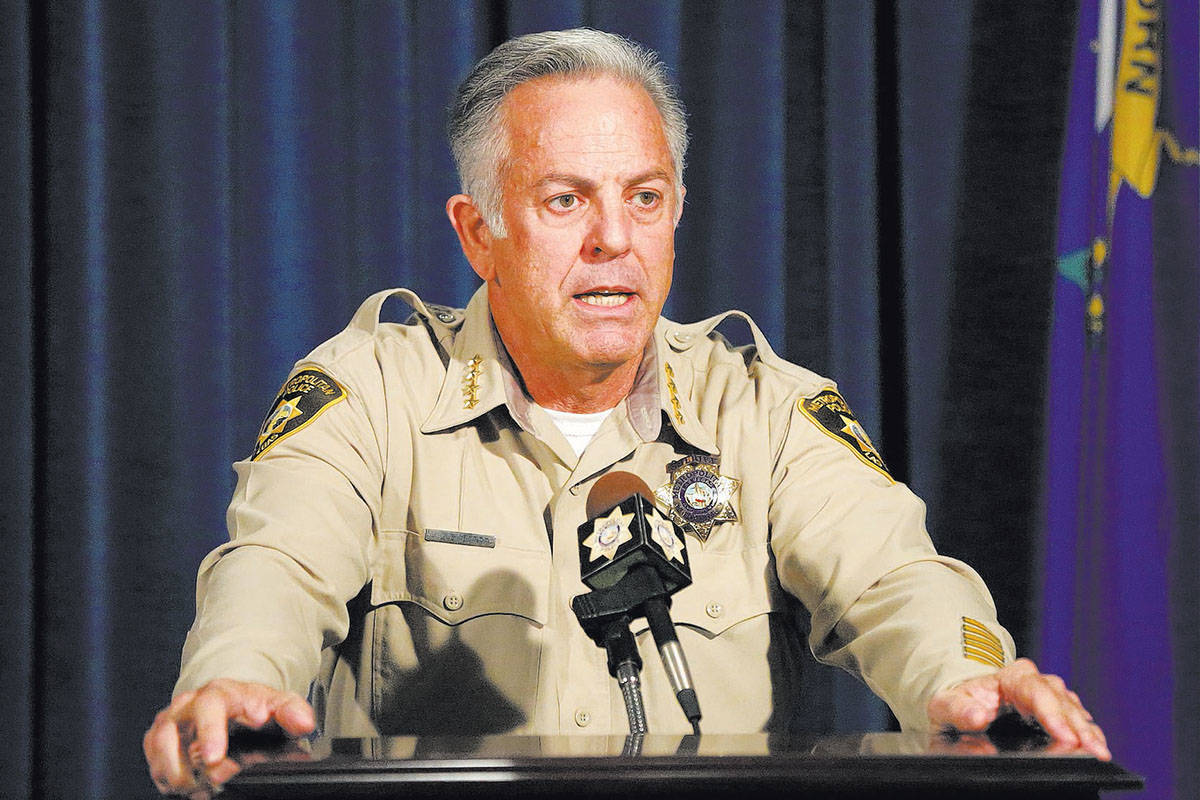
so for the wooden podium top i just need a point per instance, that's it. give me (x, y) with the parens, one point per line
(755, 766)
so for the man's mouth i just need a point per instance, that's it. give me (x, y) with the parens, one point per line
(607, 299)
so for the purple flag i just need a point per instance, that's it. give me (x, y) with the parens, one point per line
(1128, 221)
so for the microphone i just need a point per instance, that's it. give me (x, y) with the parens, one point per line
(633, 558)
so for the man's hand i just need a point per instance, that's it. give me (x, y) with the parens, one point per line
(186, 747)
(973, 705)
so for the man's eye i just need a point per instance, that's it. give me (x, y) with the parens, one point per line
(564, 202)
(646, 199)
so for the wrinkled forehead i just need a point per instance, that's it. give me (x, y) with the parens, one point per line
(589, 114)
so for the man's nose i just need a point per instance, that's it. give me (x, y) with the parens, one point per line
(609, 232)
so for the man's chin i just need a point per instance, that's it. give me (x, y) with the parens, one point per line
(610, 356)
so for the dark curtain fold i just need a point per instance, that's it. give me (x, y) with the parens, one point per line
(17, 361)
(193, 199)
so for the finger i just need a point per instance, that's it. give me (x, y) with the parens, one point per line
(210, 713)
(294, 714)
(217, 775)
(164, 755)
(1068, 722)
(211, 776)
(1041, 702)
(1096, 743)
(1091, 737)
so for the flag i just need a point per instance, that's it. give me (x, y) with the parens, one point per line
(1122, 413)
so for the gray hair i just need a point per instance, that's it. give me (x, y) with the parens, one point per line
(477, 135)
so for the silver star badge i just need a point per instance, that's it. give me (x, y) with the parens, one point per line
(698, 496)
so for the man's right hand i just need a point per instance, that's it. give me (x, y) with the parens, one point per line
(186, 747)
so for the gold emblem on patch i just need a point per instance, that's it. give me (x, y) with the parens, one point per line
(302, 398)
(698, 496)
(831, 414)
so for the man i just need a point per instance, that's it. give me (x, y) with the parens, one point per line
(411, 505)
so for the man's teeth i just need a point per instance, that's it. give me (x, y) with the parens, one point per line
(604, 298)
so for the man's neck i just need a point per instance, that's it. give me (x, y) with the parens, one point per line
(580, 391)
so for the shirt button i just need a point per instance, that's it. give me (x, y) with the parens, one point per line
(453, 601)
(445, 316)
(714, 609)
(582, 718)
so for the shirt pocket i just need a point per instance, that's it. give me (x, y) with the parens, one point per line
(728, 588)
(459, 582)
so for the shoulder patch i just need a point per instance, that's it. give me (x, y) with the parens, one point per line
(302, 398)
(830, 413)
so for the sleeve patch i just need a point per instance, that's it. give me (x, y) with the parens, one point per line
(302, 399)
(829, 412)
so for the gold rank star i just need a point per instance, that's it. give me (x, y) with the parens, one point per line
(608, 534)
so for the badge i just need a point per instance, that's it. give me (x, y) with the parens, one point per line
(698, 496)
(831, 414)
(303, 398)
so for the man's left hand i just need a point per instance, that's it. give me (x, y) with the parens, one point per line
(973, 705)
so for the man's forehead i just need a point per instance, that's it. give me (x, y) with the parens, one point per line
(580, 115)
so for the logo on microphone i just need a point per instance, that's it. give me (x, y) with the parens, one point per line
(664, 536)
(608, 534)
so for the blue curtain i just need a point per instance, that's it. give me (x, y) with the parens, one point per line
(193, 198)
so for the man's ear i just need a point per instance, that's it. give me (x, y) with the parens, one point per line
(679, 203)
(473, 234)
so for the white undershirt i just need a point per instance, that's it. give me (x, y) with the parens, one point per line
(578, 429)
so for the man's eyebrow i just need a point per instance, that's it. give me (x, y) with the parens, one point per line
(587, 185)
(651, 175)
(569, 180)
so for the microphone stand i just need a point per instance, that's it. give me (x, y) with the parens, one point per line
(605, 615)
(625, 664)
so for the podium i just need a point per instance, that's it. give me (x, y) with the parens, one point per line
(746, 767)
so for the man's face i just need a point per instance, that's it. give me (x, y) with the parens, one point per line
(590, 205)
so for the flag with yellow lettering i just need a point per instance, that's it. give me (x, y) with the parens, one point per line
(1123, 395)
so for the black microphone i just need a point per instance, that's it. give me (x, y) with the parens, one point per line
(633, 558)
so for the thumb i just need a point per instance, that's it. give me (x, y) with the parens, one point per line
(969, 706)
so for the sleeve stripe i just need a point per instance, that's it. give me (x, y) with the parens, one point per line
(980, 644)
(982, 657)
(983, 644)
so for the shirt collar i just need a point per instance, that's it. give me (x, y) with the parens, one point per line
(666, 380)
(476, 379)
(480, 377)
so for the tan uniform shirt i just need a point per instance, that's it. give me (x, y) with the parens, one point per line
(419, 515)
